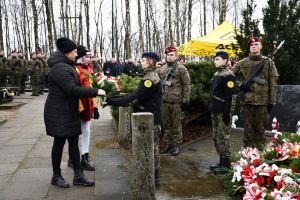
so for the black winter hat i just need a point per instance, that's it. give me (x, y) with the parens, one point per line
(65, 45)
(81, 51)
(151, 55)
(222, 54)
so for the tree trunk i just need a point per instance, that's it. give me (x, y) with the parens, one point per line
(66, 18)
(190, 12)
(87, 21)
(24, 29)
(62, 16)
(166, 33)
(1, 29)
(223, 9)
(204, 17)
(35, 26)
(49, 25)
(52, 19)
(127, 42)
(141, 40)
(183, 22)
(112, 29)
(80, 34)
(170, 22)
(213, 8)
(178, 22)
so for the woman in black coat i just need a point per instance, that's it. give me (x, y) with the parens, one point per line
(61, 112)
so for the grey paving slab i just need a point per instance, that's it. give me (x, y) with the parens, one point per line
(8, 168)
(24, 141)
(37, 162)
(109, 189)
(3, 180)
(12, 158)
(12, 149)
(22, 186)
(37, 152)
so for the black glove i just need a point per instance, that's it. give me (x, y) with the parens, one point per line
(184, 106)
(270, 106)
(82, 114)
(96, 113)
(226, 118)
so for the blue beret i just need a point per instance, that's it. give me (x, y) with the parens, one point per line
(222, 54)
(151, 55)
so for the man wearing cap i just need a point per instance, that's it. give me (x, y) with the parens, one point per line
(44, 71)
(24, 64)
(257, 102)
(34, 68)
(14, 65)
(149, 99)
(223, 86)
(175, 98)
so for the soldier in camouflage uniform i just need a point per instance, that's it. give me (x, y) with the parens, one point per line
(34, 67)
(149, 99)
(258, 102)
(223, 87)
(24, 64)
(15, 65)
(3, 69)
(176, 96)
(43, 71)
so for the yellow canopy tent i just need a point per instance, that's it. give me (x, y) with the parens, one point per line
(221, 38)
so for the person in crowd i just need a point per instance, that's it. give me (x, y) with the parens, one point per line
(24, 66)
(14, 65)
(88, 106)
(176, 88)
(223, 86)
(130, 68)
(61, 111)
(259, 96)
(34, 66)
(149, 98)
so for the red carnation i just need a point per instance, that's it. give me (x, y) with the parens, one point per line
(269, 181)
(260, 180)
(280, 184)
(257, 162)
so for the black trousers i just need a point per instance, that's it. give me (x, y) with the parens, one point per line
(57, 151)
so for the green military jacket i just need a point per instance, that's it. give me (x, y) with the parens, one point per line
(24, 64)
(179, 91)
(3, 67)
(14, 65)
(262, 92)
(34, 67)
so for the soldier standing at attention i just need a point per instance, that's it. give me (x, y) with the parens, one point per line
(223, 86)
(43, 71)
(14, 65)
(256, 103)
(24, 64)
(3, 69)
(149, 98)
(34, 72)
(176, 86)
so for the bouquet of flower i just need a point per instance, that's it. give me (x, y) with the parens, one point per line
(269, 174)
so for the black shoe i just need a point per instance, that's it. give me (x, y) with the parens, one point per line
(225, 163)
(32, 95)
(81, 179)
(70, 164)
(213, 167)
(156, 181)
(86, 164)
(175, 151)
(166, 149)
(59, 181)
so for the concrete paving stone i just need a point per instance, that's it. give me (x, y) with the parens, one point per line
(36, 162)
(28, 135)
(12, 158)
(44, 144)
(110, 172)
(4, 180)
(104, 137)
(113, 189)
(29, 183)
(24, 141)
(13, 149)
(72, 193)
(46, 152)
(8, 168)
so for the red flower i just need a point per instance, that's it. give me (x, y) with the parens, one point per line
(280, 184)
(257, 162)
(269, 181)
(272, 174)
(294, 153)
(294, 169)
(260, 180)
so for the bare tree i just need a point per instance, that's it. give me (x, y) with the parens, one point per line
(204, 17)
(213, 8)
(49, 25)
(87, 21)
(35, 26)
(170, 22)
(80, 33)
(1, 29)
(127, 42)
(223, 10)
(183, 22)
(141, 41)
(166, 31)
(177, 5)
(52, 19)
(190, 12)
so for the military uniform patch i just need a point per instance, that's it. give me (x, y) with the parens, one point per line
(148, 83)
(230, 84)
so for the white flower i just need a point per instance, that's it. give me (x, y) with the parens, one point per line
(277, 178)
(288, 180)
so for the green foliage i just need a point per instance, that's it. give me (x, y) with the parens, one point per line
(128, 83)
(200, 75)
(248, 28)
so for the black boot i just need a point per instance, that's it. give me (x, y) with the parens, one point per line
(86, 164)
(157, 182)
(225, 163)
(175, 151)
(81, 179)
(70, 164)
(166, 149)
(213, 167)
(59, 181)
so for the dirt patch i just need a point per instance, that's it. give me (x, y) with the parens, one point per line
(194, 131)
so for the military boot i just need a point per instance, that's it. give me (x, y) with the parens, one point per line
(213, 167)
(175, 151)
(157, 182)
(166, 149)
(81, 179)
(59, 181)
(225, 163)
(86, 164)
(70, 164)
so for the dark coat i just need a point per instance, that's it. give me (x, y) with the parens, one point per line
(61, 112)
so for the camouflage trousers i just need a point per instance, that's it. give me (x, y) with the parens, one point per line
(172, 125)
(35, 81)
(221, 134)
(255, 121)
(156, 133)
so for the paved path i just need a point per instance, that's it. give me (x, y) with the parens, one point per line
(25, 159)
